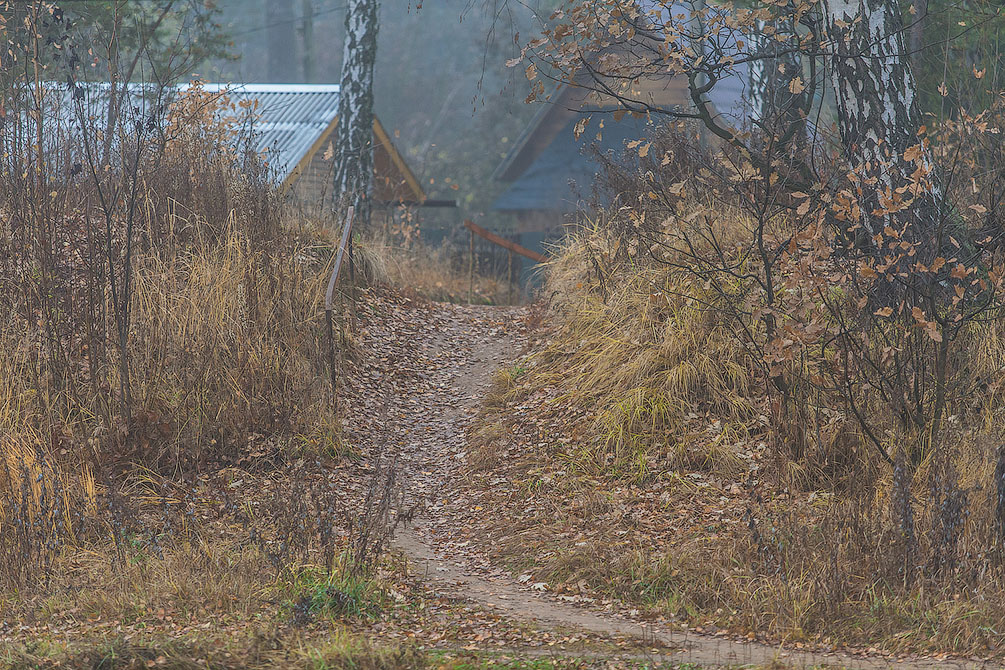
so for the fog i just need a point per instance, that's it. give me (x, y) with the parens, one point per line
(441, 84)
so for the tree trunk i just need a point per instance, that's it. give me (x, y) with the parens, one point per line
(281, 41)
(879, 118)
(353, 170)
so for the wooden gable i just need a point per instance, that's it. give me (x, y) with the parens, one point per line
(393, 181)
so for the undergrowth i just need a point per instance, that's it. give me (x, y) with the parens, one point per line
(651, 365)
(655, 470)
(256, 647)
(437, 273)
(311, 592)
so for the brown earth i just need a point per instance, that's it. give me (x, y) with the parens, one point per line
(462, 346)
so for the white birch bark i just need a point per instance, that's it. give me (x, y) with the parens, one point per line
(878, 114)
(353, 170)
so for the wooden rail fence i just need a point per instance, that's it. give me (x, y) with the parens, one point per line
(509, 245)
(343, 250)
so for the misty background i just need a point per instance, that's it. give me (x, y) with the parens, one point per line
(442, 87)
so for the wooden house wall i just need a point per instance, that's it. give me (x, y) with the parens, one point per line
(389, 184)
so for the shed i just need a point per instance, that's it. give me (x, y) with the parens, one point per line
(293, 127)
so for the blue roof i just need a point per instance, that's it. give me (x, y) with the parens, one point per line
(564, 173)
(566, 169)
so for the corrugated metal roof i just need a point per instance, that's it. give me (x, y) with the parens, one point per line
(289, 117)
(288, 122)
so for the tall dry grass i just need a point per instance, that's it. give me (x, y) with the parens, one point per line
(226, 360)
(664, 387)
(436, 273)
(46, 493)
(640, 349)
(227, 347)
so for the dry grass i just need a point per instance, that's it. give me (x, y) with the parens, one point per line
(227, 365)
(431, 272)
(255, 647)
(228, 347)
(638, 351)
(44, 496)
(644, 464)
(193, 579)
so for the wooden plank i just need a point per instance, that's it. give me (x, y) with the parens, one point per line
(503, 242)
(343, 243)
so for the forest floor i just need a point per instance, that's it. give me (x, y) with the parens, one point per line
(417, 379)
(463, 346)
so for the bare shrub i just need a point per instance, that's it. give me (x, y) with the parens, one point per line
(156, 311)
(872, 388)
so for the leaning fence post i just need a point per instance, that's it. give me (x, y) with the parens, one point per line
(510, 276)
(471, 265)
(329, 295)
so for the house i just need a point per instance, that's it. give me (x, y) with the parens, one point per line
(551, 174)
(294, 128)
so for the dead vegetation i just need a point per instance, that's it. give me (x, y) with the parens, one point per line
(663, 449)
(260, 648)
(176, 486)
(171, 442)
(439, 273)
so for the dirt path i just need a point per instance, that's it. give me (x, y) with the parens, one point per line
(459, 348)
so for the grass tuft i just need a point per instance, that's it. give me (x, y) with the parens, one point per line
(312, 592)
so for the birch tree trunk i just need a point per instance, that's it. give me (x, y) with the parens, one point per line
(879, 119)
(353, 170)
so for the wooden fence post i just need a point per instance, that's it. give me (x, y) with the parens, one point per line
(510, 276)
(471, 266)
(344, 241)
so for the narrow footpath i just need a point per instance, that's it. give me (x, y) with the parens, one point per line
(425, 417)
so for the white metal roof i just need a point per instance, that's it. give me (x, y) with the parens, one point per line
(287, 119)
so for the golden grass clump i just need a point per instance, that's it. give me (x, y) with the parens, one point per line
(227, 348)
(665, 378)
(713, 497)
(38, 490)
(41, 494)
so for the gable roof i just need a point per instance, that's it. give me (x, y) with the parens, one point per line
(547, 153)
(564, 174)
(290, 118)
(292, 122)
(295, 121)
